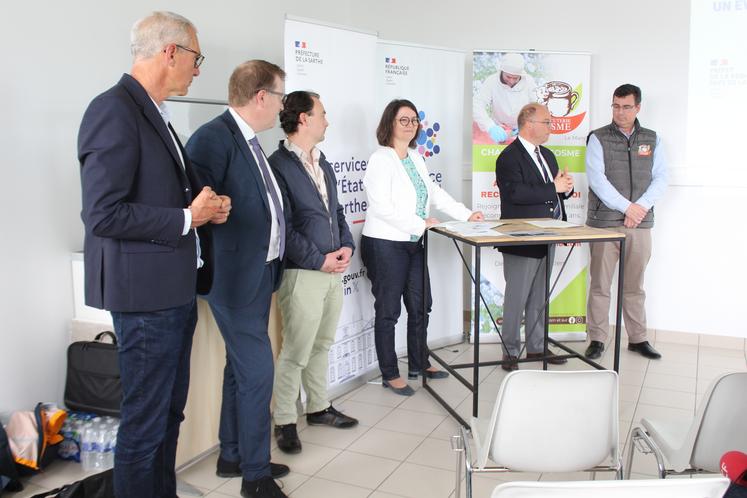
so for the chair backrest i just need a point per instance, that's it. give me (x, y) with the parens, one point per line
(712, 487)
(550, 421)
(722, 421)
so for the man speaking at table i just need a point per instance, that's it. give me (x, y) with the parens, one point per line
(531, 186)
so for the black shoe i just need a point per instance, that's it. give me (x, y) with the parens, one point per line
(509, 363)
(264, 487)
(552, 359)
(331, 417)
(595, 350)
(278, 470)
(430, 374)
(402, 391)
(645, 349)
(287, 438)
(226, 468)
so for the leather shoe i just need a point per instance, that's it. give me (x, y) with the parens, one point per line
(264, 487)
(552, 358)
(595, 350)
(226, 468)
(508, 367)
(331, 417)
(287, 438)
(645, 349)
(402, 391)
(429, 374)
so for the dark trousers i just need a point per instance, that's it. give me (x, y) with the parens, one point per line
(154, 355)
(244, 430)
(396, 273)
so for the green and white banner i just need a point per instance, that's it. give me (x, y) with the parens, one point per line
(503, 82)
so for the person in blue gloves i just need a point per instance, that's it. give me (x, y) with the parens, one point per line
(502, 96)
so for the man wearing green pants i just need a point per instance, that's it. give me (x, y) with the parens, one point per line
(318, 249)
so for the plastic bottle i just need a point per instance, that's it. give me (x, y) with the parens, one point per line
(110, 448)
(87, 456)
(100, 446)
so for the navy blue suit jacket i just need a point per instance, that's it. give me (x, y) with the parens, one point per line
(524, 193)
(134, 191)
(222, 158)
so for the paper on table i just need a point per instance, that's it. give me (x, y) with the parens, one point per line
(552, 224)
(472, 228)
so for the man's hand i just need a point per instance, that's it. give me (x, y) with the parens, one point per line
(476, 216)
(345, 254)
(221, 216)
(333, 263)
(563, 182)
(636, 213)
(429, 222)
(204, 207)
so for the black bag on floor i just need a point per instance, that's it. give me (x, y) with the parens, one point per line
(96, 486)
(93, 383)
(8, 467)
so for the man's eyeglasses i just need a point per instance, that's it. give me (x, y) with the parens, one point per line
(405, 121)
(626, 107)
(546, 122)
(279, 94)
(198, 59)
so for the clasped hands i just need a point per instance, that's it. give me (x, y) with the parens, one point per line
(634, 215)
(337, 261)
(210, 207)
(563, 182)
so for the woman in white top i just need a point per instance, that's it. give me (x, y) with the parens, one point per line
(400, 196)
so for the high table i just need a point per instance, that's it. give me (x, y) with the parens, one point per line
(580, 234)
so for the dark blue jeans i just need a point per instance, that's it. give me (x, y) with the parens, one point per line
(154, 355)
(396, 273)
(244, 430)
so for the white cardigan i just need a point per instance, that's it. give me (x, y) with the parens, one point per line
(392, 199)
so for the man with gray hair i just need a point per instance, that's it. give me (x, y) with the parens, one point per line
(501, 96)
(142, 252)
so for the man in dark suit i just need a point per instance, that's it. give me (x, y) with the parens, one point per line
(141, 249)
(249, 253)
(531, 186)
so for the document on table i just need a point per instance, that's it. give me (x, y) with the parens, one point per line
(552, 224)
(472, 228)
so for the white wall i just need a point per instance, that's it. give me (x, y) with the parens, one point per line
(58, 55)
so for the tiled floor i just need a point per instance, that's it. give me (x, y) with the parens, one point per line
(401, 447)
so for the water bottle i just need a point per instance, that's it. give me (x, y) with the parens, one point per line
(107, 461)
(87, 456)
(100, 446)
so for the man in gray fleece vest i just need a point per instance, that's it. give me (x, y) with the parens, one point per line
(627, 175)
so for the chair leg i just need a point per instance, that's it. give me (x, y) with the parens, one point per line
(457, 444)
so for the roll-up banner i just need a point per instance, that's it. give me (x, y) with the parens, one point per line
(337, 63)
(433, 79)
(561, 82)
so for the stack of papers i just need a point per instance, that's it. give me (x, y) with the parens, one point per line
(472, 228)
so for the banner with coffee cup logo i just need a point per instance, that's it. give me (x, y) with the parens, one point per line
(503, 82)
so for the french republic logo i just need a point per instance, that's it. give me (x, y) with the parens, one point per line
(394, 68)
(304, 53)
(427, 137)
(561, 100)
